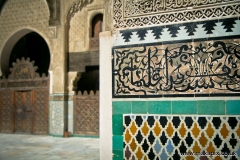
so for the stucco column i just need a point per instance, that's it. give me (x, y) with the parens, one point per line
(59, 96)
(106, 43)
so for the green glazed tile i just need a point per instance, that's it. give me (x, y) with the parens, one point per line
(211, 107)
(117, 124)
(184, 107)
(121, 107)
(117, 142)
(117, 154)
(139, 107)
(233, 107)
(159, 107)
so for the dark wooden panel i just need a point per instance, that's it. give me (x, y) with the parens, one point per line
(23, 111)
(7, 112)
(41, 102)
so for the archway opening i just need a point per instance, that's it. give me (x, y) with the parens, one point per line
(89, 80)
(25, 89)
(32, 45)
(96, 26)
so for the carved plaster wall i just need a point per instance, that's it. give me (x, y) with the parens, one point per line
(78, 36)
(79, 26)
(32, 15)
(24, 14)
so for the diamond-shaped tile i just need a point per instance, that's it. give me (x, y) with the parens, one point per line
(209, 130)
(145, 129)
(170, 129)
(139, 137)
(127, 136)
(182, 130)
(195, 130)
(203, 140)
(157, 129)
(224, 131)
(133, 128)
(133, 145)
(232, 121)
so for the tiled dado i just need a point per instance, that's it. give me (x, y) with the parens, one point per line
(168, 137)
(194, 110)
(61, 114)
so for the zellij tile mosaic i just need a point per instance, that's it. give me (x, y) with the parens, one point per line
(157, 137)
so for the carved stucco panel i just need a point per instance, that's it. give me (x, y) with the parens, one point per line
(16, 14)
(58, 77)
(79, 26)
(77, 32)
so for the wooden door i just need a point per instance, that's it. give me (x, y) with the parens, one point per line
(23, 111)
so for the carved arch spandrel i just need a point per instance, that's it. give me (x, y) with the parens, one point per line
(75, 7)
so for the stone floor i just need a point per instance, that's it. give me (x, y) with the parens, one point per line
(36, 147)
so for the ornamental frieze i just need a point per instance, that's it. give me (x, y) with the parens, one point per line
(134, 13)
(134, 7)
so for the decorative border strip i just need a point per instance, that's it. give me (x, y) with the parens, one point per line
(57, 97)
(150, 18)
(187, 31)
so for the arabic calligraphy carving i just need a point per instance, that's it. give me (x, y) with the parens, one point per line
(205, 68)
(133, 7)
(132, 13)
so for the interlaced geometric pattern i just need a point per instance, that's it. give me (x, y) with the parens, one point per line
(86, 115)
(172, 137)
(41, 116)
(20, 112)
(6, 111)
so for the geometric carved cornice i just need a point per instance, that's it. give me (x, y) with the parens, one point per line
(129, 13)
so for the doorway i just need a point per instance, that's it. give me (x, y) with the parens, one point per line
(23, 112)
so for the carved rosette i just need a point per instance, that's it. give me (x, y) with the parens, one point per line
(23, 74)
(23, 69)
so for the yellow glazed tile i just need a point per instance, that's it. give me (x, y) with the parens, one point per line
(203, 140)
(145, 129)
(133, 145)
(196, 147)
(224, 131)
(195, 130)
(189, 158)
(157, 129)
(217, 158)
(145, 158)
(170, 129)
(127, 136)
(238, 131)
(139, 153)
(210, 130)
(182, 131)
(210, 148)
(133, 128)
